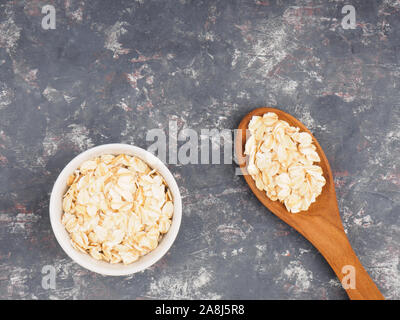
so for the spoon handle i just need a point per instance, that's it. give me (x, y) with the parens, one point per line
(334, 245)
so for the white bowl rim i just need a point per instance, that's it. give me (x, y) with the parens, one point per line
(85, 260)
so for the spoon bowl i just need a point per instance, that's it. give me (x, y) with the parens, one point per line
(321, 223)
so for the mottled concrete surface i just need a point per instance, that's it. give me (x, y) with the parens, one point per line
(112, 70)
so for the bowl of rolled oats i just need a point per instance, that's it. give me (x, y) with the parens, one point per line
(115, 209)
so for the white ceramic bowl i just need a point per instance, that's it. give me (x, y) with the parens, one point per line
(85, 260)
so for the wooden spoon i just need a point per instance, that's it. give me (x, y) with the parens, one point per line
(321, 223)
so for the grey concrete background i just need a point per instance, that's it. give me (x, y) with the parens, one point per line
(112, 70)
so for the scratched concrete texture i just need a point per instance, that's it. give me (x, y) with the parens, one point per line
(113, 70)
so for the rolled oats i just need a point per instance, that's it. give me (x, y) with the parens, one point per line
(281, 162)
(116, 208)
